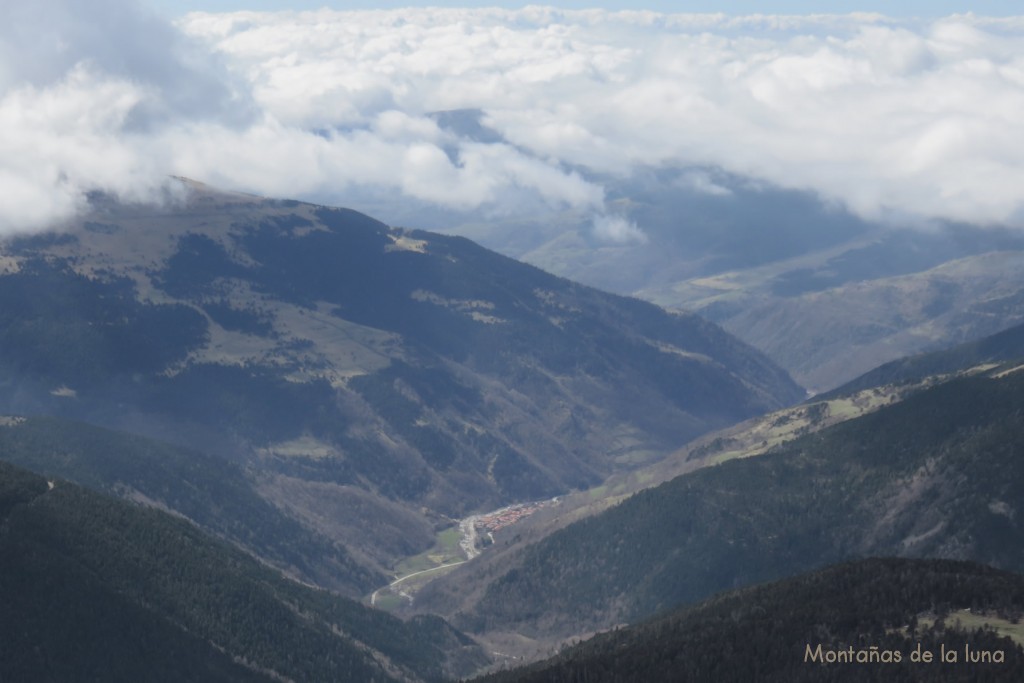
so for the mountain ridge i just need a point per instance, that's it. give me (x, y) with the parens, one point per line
(387, 374)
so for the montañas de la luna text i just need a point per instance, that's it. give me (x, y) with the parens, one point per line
(875, 655)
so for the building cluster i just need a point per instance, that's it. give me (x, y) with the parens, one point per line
(507, 516)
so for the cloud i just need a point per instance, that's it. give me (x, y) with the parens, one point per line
(889, 118)
(699, 180)
(86, 92)
(617, 230)
(59, 141)
(42, 42)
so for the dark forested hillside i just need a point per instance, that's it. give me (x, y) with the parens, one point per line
(938, 475)
(99, 589)
(861, 621)
(216, 494)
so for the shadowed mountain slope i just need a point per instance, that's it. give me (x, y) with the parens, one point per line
(95, 588)
(219, 496)
(860, 621)
(398, 379)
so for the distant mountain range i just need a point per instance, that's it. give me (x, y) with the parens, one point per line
(826, 294)
(996, 349)
(372, 384)
(830, 335)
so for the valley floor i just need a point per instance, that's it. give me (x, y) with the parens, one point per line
(455, 546)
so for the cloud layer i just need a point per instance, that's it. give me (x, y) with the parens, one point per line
(890, 118)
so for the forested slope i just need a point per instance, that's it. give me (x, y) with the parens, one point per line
(99, 589)
(218, 495)
(860, 621)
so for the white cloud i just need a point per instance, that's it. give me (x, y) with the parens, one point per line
(86, 92)
(886, 117)
(617, 230)
(699, 180)
(880, 115)
(57, 142)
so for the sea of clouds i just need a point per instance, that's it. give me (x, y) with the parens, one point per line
(889, 118)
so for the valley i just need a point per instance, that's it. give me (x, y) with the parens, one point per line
(878, 483)
(396, 380)
(455, 546)
(411, 421)
(752, 438)
(511, 343)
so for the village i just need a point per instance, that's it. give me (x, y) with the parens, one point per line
(507, 516)
(474, 532)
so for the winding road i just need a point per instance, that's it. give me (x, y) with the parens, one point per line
(373, 598)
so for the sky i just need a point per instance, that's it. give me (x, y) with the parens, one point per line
(893, 117)
(903, 8)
